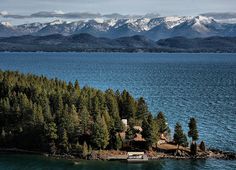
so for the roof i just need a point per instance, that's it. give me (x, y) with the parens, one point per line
(138, 137)
(138, 128)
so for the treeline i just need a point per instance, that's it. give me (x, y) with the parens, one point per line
(58, 117)
(88, 43)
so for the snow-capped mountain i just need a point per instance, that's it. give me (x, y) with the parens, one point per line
(153, 28)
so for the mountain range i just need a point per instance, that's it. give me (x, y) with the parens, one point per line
(86, 42)
(152, 28)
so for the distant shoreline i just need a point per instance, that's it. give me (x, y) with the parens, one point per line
(133, 44)
(144, 52)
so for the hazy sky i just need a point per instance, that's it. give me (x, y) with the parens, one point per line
(163, 7)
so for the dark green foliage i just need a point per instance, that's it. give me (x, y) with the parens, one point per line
(142, 110)
(118, 142)
(127, 105)
(161, 122)
(63, 141)
(179, 136)
(51, 135)
(84, 123)
(52, 116)
(85, 151)
(60, 43)
(149, 133)
(100, 133)
(193, 132)
(202, 146)
(130, 133)
(193, 149)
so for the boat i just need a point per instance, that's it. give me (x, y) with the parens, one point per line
(137, 157)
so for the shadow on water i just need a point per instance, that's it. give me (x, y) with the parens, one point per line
(36, 162)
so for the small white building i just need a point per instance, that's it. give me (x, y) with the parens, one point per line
(125, 122)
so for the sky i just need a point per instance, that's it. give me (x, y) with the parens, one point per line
(163, 7)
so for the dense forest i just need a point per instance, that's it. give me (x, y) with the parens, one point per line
(50, 115)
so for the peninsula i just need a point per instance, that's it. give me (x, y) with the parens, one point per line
(50, 116)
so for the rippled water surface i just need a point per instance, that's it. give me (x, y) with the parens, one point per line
(180, 85)
(33, 162)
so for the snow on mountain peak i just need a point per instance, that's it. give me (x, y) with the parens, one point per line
(99, 20)
(173, 21)
(3, 13)
(142, 24)
(200, 22)
(7, 24)
(153, 28)
(112, 22)
(56, 22)
(203, 19)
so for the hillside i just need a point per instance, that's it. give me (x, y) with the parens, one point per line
(87, 42)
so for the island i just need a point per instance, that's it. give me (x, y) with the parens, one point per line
(46, 116)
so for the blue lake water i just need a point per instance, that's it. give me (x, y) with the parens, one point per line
(180, 85)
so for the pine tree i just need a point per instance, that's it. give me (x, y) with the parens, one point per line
(84, 120)
(193, 132)
(100, 133)
(118, 142)
(39, 115)
(193, 149)
(63, 141)
(162, 123)
(179, 136)
(142, 112)
(202, 146)
(130, 133)
(148, 132)
(85, 150)
(51, 133)
(44, 103)
(76, 85)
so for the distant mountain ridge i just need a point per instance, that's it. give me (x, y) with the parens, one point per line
(86, 42)
(153, 28)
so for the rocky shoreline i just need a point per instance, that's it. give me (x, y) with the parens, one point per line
(105, 155)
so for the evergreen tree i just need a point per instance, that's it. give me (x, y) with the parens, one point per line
(39, 115)
(142, 112)
(193, 132)
(85, 150)
(63, 141)
(179, 136)
(130, 133)
(202, 146)
(118, 142)
(51, 133)
(193, 149)
(84, 120)
(76, 85)
(100, 133)
(148, 132)
(162, 123)
(45, 104)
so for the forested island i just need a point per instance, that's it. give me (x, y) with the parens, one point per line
(53, 117)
